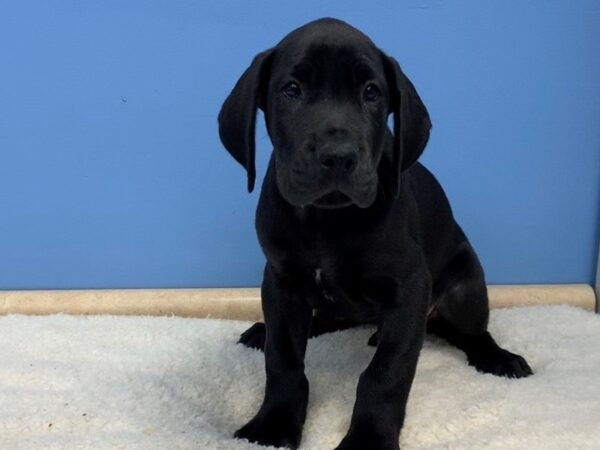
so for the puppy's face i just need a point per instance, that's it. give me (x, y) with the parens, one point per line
(327, 92)
(326, 110)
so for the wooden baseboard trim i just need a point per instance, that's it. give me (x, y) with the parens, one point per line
(237, 303)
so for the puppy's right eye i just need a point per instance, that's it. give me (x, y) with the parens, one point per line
(291, 90)
(371, 93)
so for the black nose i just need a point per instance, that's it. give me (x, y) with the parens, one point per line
(338, 157)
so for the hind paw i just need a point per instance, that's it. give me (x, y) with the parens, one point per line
(254, 337)
(373, 340)
(501, 363)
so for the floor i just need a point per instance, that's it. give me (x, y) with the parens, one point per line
(106, 382)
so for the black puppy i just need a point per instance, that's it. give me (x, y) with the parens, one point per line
(354, 230)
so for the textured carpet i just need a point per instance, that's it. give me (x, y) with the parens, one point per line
(170, 383)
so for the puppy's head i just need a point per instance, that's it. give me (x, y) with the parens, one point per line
(326, 91)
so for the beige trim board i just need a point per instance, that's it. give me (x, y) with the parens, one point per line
(598, 281)
(222, 303)
(238, 303)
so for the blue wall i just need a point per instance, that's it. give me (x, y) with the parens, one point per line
(112, 175)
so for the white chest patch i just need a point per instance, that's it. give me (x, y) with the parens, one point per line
(319, 281)
(318, 276)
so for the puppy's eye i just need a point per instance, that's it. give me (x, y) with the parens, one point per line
(291, 90)
(371, 93)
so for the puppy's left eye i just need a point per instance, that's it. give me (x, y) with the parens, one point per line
(371, 93)
(292, 90)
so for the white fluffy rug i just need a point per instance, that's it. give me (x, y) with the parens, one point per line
(171, 383)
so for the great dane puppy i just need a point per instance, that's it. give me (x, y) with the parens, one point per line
(354, 230)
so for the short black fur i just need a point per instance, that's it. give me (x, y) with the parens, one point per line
(354, 230)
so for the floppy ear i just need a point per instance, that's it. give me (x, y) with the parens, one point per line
(237, 118)
(411, 120)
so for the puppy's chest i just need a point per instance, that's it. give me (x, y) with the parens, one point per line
(340, 295)
(324, 291)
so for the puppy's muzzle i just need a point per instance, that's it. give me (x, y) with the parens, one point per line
(337, 159)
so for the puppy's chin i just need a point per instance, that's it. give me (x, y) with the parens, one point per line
(329, 195)
(329, 199)
(333, 200)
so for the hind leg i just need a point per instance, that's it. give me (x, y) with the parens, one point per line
(460, 317)
(254, 337)
(482, 351)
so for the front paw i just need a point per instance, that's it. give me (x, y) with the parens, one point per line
(362, 441)
(277, 428)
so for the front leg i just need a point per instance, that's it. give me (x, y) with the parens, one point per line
(280, 419)
(384, 386)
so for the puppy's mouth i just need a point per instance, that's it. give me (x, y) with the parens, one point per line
(301, 189)
(335, 199)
